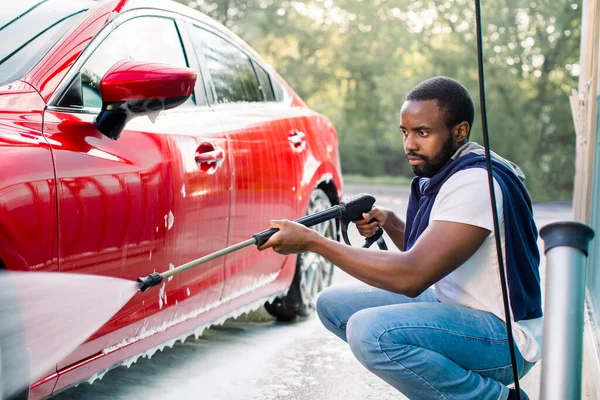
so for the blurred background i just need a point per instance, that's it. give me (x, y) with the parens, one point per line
(355, 61)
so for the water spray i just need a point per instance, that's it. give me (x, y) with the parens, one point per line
(347, 211)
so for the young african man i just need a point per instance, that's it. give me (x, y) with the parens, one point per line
(429, 320)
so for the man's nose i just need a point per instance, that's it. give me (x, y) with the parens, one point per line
(410, 143)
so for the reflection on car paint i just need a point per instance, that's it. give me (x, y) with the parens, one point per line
(104, 154)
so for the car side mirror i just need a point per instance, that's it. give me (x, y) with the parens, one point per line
(132, 88)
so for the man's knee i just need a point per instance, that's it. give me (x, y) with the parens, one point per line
(371, 341)
(362, 333)
(326, 305)
(321, 306)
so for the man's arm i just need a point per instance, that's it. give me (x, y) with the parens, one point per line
(395, 230)
(441, 248)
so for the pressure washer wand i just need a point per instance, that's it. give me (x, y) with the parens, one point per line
(258, 239)
(348, 210)
(155, 278)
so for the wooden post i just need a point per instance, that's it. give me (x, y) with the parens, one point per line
(583, 107)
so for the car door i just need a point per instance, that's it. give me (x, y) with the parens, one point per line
(28, 218)
(264, 159)
(146, 202)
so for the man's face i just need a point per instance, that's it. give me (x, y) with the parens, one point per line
(428, 141)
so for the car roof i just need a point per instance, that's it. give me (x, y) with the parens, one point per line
(178, 8)
(101, 13)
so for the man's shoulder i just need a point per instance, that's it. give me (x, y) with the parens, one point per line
(465, 198)
(469, 187)
(468, 176)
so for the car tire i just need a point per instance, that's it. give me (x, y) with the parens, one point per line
(313, 271)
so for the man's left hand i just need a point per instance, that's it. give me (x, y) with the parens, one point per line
(292, 237)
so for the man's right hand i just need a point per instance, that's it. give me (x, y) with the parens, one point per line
(373, 221)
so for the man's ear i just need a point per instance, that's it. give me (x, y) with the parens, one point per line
(461, 132)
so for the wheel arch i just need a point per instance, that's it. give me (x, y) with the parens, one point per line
(332, 193)
(328, 179)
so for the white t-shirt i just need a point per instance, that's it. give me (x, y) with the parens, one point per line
(465, 198)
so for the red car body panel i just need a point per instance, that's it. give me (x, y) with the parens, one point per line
(29, 220)
(27, 198)
(168, 191)
(262, 189)
(147, 215)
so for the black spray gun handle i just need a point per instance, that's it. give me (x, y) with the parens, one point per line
(377, 237)
(348, 211)
(354, 209)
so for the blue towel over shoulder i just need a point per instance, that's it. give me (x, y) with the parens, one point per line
(522, 254)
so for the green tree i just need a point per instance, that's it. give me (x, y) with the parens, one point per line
(355, 60)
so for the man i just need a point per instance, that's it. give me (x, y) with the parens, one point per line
(449, 341)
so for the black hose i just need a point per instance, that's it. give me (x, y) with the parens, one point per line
(488, 161)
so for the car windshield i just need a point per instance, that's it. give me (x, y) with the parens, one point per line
(29, 28)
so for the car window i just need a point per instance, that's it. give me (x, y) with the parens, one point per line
(231, 70)
(279, 90)
(29, 28)
(264, 80)
(149, 39)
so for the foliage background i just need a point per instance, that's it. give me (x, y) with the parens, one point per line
(355, 60)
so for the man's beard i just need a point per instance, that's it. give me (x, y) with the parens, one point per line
(432, 165)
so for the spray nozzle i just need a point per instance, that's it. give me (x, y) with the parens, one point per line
(151, 280)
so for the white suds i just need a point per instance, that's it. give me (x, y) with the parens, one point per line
(169, 220)
(171, 266)
(144, 333)
(197, 332)
(162, 296)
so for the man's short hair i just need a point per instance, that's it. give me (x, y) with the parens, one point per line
(453, 99)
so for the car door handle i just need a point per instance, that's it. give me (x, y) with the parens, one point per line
(297, 139)
(210, 156)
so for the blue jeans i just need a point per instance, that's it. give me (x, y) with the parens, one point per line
(423, 348)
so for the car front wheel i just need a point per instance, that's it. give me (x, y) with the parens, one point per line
(313, 272)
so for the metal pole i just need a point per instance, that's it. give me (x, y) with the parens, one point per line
(566, 247)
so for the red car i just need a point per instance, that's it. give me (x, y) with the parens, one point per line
(95, 180)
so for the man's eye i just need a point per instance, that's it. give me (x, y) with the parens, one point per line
(423, 133)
